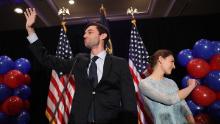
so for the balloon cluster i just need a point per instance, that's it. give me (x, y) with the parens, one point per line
(203, 63)
(14, 90)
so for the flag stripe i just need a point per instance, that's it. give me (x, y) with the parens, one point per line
(48, 112)
(69, 88)
(56, 92)
(64, 100)
(57, 89)
(51, 107)
(135, 76)
(61, 112)
(138, 61)
(51, 97)
(140, 117)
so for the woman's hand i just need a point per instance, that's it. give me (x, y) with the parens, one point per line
(192, 83)
(190, 119)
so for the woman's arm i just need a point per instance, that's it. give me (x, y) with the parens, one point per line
(166, 98)
(155, 94)
(190, 119)
(186, 91)
(185, 110)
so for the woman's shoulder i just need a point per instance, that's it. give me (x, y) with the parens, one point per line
(169, 80)
(145, 84)
(145, 81)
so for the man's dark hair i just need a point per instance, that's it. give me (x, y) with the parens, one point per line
(102, 29)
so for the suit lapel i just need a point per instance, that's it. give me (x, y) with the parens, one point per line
(106, 68)
(85, 63)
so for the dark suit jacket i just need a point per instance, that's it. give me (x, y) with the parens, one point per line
(115, 100)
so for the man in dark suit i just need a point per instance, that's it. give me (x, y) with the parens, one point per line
(104, 91)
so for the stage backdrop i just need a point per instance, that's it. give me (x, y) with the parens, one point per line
(174, 33)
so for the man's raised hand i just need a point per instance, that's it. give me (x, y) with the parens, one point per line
(30, 15)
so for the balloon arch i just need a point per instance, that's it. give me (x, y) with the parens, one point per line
(14, 90)
(202, 62)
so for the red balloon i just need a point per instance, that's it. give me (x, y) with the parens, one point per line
(26, 79)
(218, 96)
(13, 105)
(198, 68)
(1, 110)
(215, 62)
(26, 104)
(1, 78)
(13, 78)
(202, 118)
(203, 96)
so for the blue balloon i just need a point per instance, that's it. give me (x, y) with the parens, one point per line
(23, 118)
(184, 80)
(214, 109)
(23, 92)
(4, 119)
(203, 49)
(6, 64)
(204, 82)
(23, 65)
(212, 80)
(216, 47)
(184, 83)
(5, 92)
(196, 109)
(184, 57)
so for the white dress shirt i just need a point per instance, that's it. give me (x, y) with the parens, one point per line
(100, 64)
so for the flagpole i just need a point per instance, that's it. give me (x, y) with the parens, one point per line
(102, 11)
(63, 23)
(62, 12)
(52, 121)
(132, 11)
(143, 116)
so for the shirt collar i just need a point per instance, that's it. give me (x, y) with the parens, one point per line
(101, 55)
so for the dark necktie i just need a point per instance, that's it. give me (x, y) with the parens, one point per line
(93, 77)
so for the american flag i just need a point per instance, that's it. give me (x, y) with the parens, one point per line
(61, 91)
(138, 63)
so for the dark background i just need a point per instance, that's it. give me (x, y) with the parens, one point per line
(173, 33)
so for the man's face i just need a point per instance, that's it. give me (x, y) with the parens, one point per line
(91, 37)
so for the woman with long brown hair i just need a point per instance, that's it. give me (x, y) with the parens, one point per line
(162, 96)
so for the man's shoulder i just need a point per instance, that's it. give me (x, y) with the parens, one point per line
(116, 58)
(83, 56)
